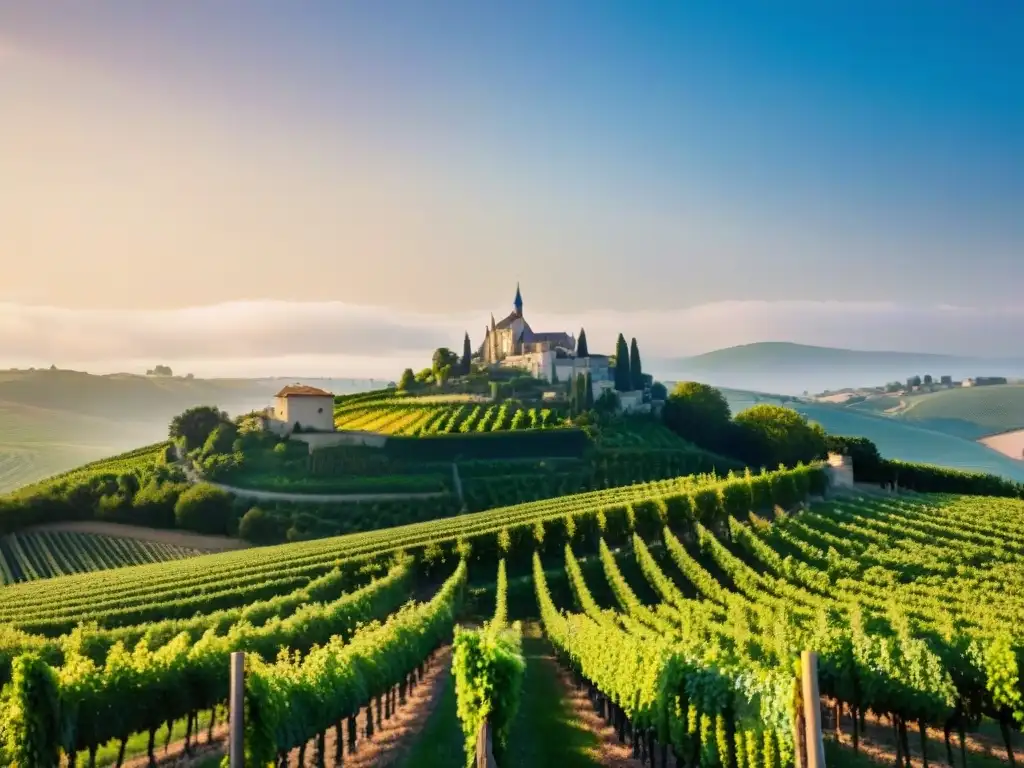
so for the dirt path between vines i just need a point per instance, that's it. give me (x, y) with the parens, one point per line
(175, 756)
(608, 752)
(392, 739)
(878, 742)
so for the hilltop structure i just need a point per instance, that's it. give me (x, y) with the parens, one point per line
(301, 408)
(513, 337)
(549, 355)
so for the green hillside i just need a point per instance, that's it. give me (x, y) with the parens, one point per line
(53, 420)
(784, 354)
(895, 438)
(970, 412)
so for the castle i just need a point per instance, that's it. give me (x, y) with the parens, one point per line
(513, 337)
(551, 356)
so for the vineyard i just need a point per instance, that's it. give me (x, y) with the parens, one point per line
(414, 417)
(678, 610)
(135, 460)
(44, 554)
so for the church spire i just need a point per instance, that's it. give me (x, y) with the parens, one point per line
(518, 303)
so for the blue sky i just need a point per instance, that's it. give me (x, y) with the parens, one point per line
(425, 156)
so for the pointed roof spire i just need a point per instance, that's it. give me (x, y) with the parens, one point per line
(492, 321)
(518, 303)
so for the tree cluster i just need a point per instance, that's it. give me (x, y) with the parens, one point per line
(764, 435)
(581, 395)
(160, 370)
(629, 374)
(194, 426)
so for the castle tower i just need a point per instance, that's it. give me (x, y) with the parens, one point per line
(493, 337)
(518, 303)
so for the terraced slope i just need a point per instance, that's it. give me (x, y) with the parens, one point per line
(45, 554)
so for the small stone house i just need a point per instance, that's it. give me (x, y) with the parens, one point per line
(303, 408)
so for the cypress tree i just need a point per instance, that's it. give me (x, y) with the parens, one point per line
(581, 394)
(581, 345)
(589, 394)
(636, 373)
(623, 380)
(467, 354)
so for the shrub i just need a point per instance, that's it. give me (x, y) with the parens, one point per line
(707, 506)
(761, 496)
(737, 498)
(258, 527)
(770, 435)
(784, 489)
(220, 440)
(205, 509)
(154, 504)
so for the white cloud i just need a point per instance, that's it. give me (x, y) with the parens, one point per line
(274, 337)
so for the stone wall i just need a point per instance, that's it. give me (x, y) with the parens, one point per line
(317, 440)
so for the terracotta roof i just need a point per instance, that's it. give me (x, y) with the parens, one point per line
(301, 390)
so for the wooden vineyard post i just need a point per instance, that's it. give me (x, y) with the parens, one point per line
(236, 706)
(484, 751)
(812, 709)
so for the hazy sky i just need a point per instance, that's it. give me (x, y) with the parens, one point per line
(424, 156)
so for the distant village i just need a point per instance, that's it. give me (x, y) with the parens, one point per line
(914, 385)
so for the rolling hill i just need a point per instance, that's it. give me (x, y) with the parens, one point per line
(970, 412)
(796, 368)
(789, 355)
(53, 420)
(895, 438)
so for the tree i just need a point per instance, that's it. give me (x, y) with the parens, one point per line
(588, 399)
(258, 527)
(580, 394)
(623, 380)
(467, 355)
(636, 374)
(406, 380)
(221, 440)
(607, 403)
(204, 508)
(443, 357)
(699, 413)
(658, 391)
(443, 375)
(194, 426)
(160, 370)
(581, 345)
(770, 435)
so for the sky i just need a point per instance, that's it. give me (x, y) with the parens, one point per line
(834, 173)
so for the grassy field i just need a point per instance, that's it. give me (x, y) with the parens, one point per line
(896, 438)
(970, 412)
